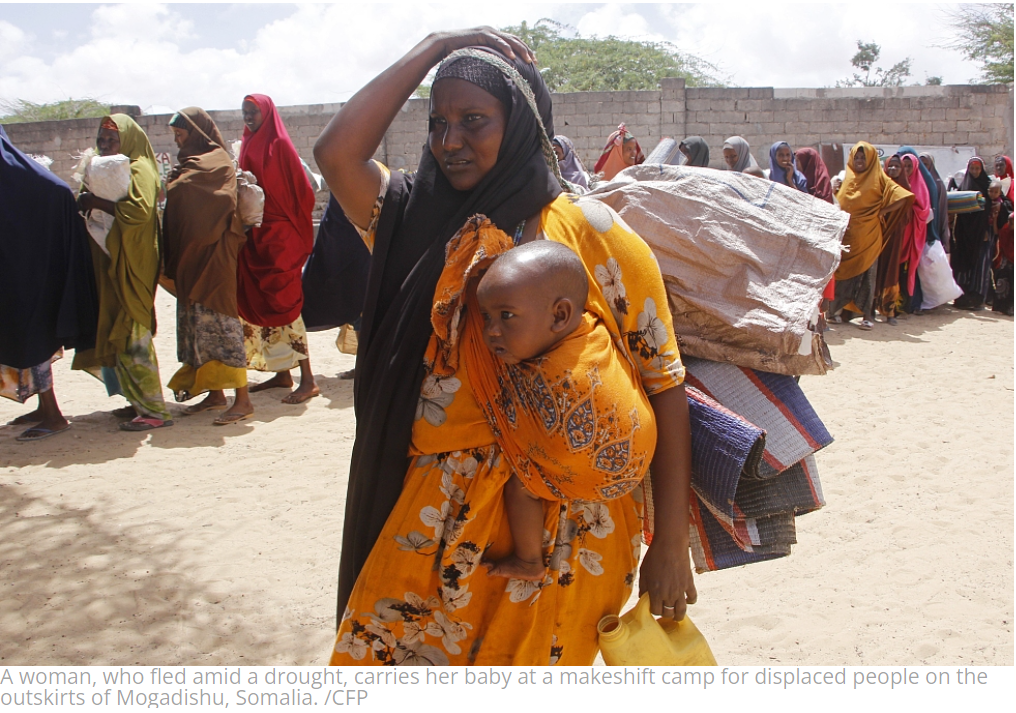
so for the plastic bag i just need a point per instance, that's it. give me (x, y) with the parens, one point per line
(937, 283)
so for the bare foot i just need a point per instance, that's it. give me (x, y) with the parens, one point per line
(27, 418)
(215, 401)
(281, 380)
(125, 412)
(302, 393)
(513, 567)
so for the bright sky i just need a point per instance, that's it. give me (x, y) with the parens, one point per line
(163, 57)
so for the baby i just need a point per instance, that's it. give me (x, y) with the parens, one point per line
(531, 298)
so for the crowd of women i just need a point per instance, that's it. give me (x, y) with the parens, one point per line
(238, 287)
(424, 507)
(898, 208)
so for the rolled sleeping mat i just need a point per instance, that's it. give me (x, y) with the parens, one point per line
(965, 201)
(666, 152)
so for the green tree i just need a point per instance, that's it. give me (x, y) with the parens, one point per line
(985, 35)
(570, 63)
(865, 58)
(20, 111)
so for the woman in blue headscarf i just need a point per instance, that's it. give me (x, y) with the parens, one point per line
(783, 168)
(47, 291)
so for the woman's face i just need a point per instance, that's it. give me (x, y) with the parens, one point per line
(467, 127)
(975, 168)
(785, 158)
(893, 167)
(108, 142)
(730, 157)
(860, 161)
(180, 136)
(928, 164)
(999, 166)
(629, 152)
(908, 167)
(687, 154)
(559, 152)
(252, 116)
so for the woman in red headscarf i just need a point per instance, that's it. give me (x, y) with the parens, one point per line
(270, 265)
(622, 150)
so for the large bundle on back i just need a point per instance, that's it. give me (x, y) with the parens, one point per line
(745, 261)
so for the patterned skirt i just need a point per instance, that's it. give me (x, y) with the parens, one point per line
(275, 348)
(21, 384)
(210, 346)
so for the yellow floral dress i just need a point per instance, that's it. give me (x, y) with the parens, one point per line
(423, 596)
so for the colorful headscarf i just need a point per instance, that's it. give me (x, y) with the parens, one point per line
(864, 196)
(611, 161)
(915, 235)
(778, 175)
(934, 234)
(269, 288)
(816, 173)
(744, 157)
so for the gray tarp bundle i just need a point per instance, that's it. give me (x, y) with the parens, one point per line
(745, 261)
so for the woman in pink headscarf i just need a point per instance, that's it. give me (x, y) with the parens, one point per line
(621, 151)
(270, 265)
(916, 232)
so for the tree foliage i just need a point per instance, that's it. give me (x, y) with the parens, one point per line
(864, 60)
(985, 35)
(20, 111)
(570, 63)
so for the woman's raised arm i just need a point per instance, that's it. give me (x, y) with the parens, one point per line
(344, 150)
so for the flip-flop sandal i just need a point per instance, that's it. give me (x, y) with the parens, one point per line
(308, 397)
(229, 420)
(865, 325)
(142, 423)
(201, 408)
(37, 434)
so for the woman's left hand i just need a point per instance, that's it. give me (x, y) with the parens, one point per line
(666, 575)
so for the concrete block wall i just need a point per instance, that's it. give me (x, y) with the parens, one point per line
(976, 115)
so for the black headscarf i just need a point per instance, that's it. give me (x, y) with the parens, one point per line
(418, 218)
(47, 287)
(971, 227)
(698, 151)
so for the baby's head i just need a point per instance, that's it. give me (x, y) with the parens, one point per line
(995, 190)
(532, 297)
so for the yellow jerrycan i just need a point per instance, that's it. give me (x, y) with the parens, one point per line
(637, 638)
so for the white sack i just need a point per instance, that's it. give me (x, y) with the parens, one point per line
(744, 261)
(250, 198)
(937, 283)
(108, 177)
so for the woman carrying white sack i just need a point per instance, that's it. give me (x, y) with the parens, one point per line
(124, 355)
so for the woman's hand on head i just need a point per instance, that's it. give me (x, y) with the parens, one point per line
(508, 45)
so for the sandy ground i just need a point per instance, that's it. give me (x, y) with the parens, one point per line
(202, 545)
